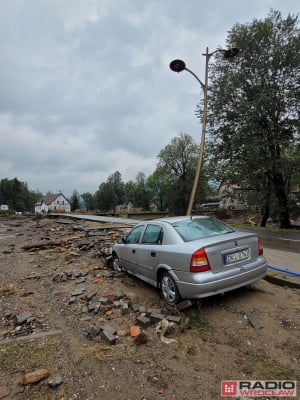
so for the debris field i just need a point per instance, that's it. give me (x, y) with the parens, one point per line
(73, 328)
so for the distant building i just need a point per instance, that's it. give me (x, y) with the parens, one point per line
(52, 203)
(3, 207)
(231, 196)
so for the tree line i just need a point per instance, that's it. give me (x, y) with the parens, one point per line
(17, 196)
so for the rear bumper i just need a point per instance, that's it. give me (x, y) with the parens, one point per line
(211, 288)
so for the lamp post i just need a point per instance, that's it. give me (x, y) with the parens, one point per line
(179, 66)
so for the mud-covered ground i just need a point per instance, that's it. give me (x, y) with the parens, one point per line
(66, 317)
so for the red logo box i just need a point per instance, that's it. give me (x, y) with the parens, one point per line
(229, 388)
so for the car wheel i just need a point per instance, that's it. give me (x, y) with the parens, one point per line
(169, 289)
(117, 266)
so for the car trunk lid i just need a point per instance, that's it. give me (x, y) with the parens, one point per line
(235, 250)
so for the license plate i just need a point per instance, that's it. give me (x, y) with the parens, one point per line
(237, 256)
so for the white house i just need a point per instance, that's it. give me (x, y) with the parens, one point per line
(3, 207)
(52, 203)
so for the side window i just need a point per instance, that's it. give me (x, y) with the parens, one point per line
(152, 234)
(135, 234)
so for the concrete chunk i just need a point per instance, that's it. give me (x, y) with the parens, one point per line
(184, 304)
(78, 292)
(173, 318)
(135, 307)
(156, 317)
(125, 308)
(23, 318)
(109, 337)
(143, 321)
(72, 300)
(254, 321)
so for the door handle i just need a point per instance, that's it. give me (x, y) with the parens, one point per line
(153, 254)
(133, 250)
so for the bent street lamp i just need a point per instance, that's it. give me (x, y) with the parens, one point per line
(179, 66)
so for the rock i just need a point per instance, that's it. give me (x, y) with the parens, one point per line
(78, 292)
(21, 319)
(173, 318)
(143, 321)
(156, 317)
(109, 337)
(184, 304)
(93, 332)
(135, 307)
(55, 381)
(72, 300)
(254, 321)
(125, 308)
(91, 295)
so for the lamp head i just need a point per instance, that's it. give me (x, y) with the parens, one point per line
(177, 65)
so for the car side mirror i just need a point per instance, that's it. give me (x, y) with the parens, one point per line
(121, 241)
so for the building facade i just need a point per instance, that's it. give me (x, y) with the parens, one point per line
(52, 203)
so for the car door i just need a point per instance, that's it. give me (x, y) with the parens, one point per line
(148, 252)
(128, 251)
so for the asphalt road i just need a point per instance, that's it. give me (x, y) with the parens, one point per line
(286, 241)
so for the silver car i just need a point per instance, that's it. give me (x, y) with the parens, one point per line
(190, 257)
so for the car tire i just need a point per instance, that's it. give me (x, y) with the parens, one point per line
(117, 266)
(169, 289)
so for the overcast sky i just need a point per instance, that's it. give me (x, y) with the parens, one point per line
(86, 89)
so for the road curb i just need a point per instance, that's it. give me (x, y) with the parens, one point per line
(283, 281)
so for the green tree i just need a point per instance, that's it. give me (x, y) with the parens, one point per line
(106, 198)
(158, 186)
(254, 111)
(75, 201)
(110, 193)
(116, 181)
(88, 201)
(142, 198)
(130, 192)
(137, 192)
(178, 160)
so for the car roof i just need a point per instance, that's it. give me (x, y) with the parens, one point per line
(171, 220)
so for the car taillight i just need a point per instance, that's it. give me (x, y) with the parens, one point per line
(199, 261)
(260, 247)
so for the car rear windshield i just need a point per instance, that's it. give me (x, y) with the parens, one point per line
(199, 228)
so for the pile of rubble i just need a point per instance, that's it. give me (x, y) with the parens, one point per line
(21, 325)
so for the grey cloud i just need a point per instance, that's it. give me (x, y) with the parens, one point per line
(86, 88)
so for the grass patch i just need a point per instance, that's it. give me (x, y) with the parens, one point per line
(268, 369)
(29, 355)
(234, 343)
(191, 350)
(195, 322)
